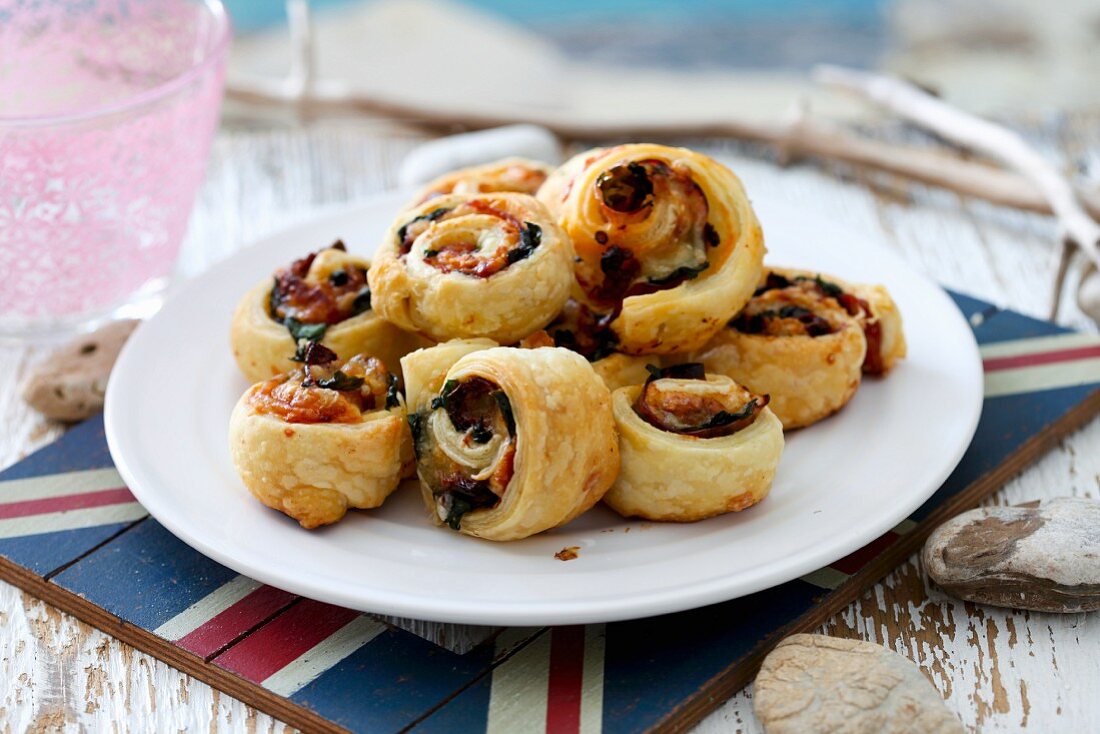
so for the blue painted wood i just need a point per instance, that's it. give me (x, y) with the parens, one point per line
(467, 712)
(1009, 325)
(145, 576)
(46, 553)
(971, 307)
(391, 682)
(82, 447)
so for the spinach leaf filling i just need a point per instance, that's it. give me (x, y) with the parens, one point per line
(404, 242)
(476, 407)
(530, 237)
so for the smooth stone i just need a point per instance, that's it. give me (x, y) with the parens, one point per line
(814, 683)
(1043, 557)
(69, 385)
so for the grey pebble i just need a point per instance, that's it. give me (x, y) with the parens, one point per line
(1043, 557)
(70, 384)
(814, 683)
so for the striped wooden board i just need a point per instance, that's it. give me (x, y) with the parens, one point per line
(73, 535)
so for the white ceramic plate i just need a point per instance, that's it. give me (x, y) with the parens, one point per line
(840, 484)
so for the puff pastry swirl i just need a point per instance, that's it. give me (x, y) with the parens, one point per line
(509, 442)
(318, 440)
(668, 247)
(693, 446)
(519, 175)
(491, 265)
(797, 345)
(324, 297)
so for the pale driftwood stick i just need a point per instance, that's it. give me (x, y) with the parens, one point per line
(1065, 259)
(299, 80)
(821, 139)
(995, 141)
(794, 139)
(1088, 292)
(911, 103)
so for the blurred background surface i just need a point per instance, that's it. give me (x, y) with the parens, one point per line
(1000, 57)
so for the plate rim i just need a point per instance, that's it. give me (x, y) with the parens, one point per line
(536, 612)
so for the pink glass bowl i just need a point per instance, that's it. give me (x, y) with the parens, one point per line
(107, 112)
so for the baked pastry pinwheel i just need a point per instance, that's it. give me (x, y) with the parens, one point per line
(806, 341)
(323, 297)
(320, 439)
(519, 175)
(668, 247)
(491, 265)
(509, 442)
(693, 446)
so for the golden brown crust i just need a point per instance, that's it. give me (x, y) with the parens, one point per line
(555, 189)
(674, 317)
(807, 377)
(263, 347)
(431, 288)
(426, 369)
(675, 477)
(517, 175)
(565, 450)
(892, 345)
(314, 472)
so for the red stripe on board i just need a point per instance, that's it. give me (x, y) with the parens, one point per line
(272, 647)
(563, 697)
(1030, 360)
(66, 502)
(852, 563)
(232, 622)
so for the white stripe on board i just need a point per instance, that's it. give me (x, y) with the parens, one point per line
(519, 692)
(511, 638)
(1042, 377)
(323, 656)
(595, 637)
(51, 522)
(59, 485)
(825, 578)
(1037, 345)
(206, 608)
(904, 527)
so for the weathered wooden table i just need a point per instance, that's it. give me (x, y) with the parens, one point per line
(1001, 670)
